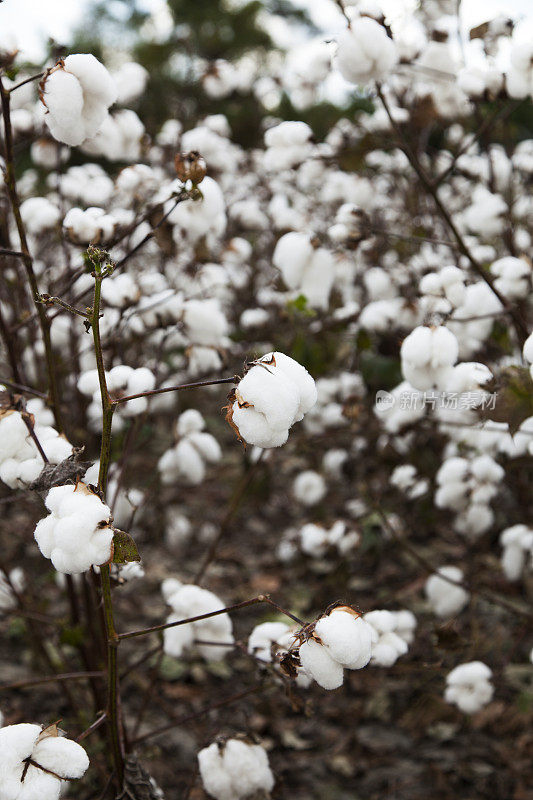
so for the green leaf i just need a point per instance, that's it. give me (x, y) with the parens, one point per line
(124, 548)
(513, 398)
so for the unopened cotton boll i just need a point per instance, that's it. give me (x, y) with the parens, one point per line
(468, 686)
(446, 598)
(76, 534)
(77, 93)
(365, 52)
(234, 771)
(42, 756)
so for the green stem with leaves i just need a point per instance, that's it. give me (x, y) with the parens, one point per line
(113, 692)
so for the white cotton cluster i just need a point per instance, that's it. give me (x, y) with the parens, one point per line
(193, 219)
(188, 600)
(443, 290)
(39, 215)
(120, 290)
(341, 640)
(517, 543)
(77, 93)
(274, 394)
(187, 461)
(332, 395)
(54, 759)
(394, 412)
(405, 478)
(178, 527)
(513, 277)
(394, 632)
(89, 226)
(20, 460)
(306, 268)
(270, 639)
(315, 541)
(476, 80)
(119, 138)
(445, 597)
(76, 535)
(235, 770)
(351, 225)
(365, 52)
(472, 329)
(121, 381)
(287, 145)
(205, 322)
(12, 582)
(428, 354)
(467, 486)
(468, 686)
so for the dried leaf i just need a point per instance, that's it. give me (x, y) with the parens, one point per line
(124, 548)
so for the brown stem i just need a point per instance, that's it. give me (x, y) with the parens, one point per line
(26, 256)
(194, 385)
(518, 322)
(96, 724)
(59, 678)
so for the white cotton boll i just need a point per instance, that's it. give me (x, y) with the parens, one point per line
(77, 94)
(365, 52)
(388, 648)
(91, 225)
(299, 375)
(190, 463)
(405, 625)
(446, 599)
(254, 318)
(62, 756)
(263, 637)
(318, 278)
(190, 421)
(468, 686)
(528, 349)
(16, 583)
(140, 380)
(333, 462)
(313, 540)
(292, 254)
(248, 764)
(191, 601)
(205, 321)
(217, 783)
(475, 520)
(178, 639)
(485, 469)
(254, 428)
(517, 543)
(39, 215)
(348, 638)
(316, 660)
(271, 394)
(309, 488)
(130, 81)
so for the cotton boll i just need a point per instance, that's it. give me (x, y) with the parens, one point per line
(316, 660)
(313, 540)
(365, 52)
(130, 81)
(263, 637)
(271, 394)
(427, 355)
(446, 599)
(468, 686)
(178, 639)
(254, 428)
(309, 488)
(39, 215)
(299, 375)
(292, 254)
(77, 93)
(238, 770)
(348, 638)
(517, 543)
(192, 601)
(217, 783)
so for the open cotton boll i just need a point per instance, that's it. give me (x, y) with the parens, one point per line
(309, 487)
(291, 255)
(468, 686)
(317, 662)
(39, 214)
(191, 601)
(296, 373)
(53, 758)
(271, 394)
(517, 543)
(264, 636)
(235, 770)
(445, 598)
(365, 52)
(77, 93)
(347, 636)
(427, 356)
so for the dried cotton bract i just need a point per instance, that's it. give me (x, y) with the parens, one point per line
(235, 770)
(274, 394)
(76, 534)
(53, 760)
(77, 93)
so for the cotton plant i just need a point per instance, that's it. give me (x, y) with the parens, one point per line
(469, 686)
(188, 600)
(235, 769)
